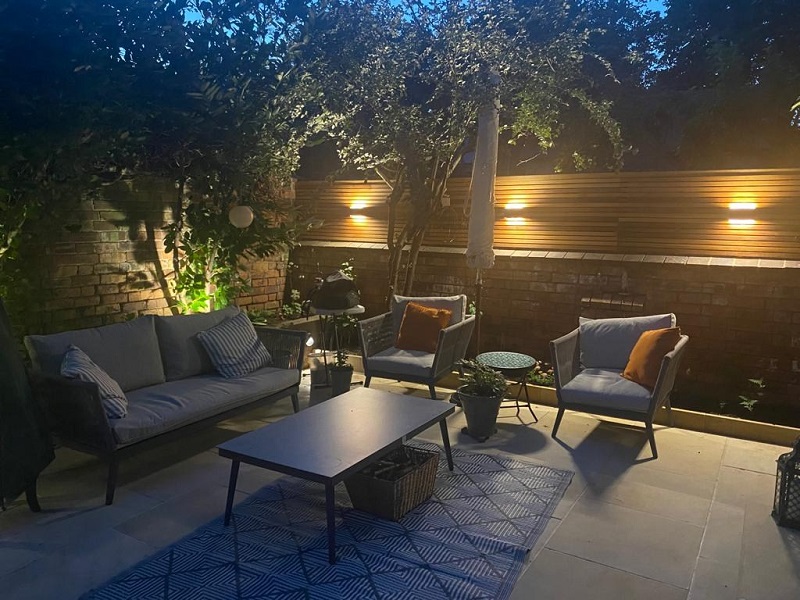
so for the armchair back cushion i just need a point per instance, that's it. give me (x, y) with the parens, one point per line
(645, 361)
(456, 304)
(607, 343)
(420, 327)
(134, 364)
(181, 351)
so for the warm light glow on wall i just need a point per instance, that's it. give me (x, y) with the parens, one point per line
(358, 205)
(742, 206)
(358, 218)
(515, 206)
(515, 220)
(741, 223)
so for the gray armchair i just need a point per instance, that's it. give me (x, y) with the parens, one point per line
(588, 363)
(382, 359)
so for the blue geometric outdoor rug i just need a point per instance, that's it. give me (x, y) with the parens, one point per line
(468, 541)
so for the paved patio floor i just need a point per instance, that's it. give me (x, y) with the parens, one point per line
(693, 524)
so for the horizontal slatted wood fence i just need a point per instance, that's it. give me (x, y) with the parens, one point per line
(672, 213)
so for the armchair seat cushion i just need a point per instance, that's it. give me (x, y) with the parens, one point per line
(402, 362)
(607, 389)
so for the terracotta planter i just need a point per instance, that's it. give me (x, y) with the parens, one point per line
(481, 413)
(340, 379)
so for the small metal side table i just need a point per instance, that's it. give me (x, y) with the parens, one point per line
(513, 366)
(324, 314)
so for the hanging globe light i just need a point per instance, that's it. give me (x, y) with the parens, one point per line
(241, 216)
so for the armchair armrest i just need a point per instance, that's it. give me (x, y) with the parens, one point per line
(452, 346)
(375, 334)
(566, 356)
(286, 346)
(75, 412)
(666, 376)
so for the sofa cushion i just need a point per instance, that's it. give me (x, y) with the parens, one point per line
(421, 326)
(605, 388)
(181, 352)
(644, 363)
(171, 405)
(402, 362)
(76, 365)
(607, 343)
(457, 304)
(128, 351)
(234, 348)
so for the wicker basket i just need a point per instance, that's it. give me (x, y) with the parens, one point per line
(391, 499)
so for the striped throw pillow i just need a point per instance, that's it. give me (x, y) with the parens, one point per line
(76, 364)
(234, 348)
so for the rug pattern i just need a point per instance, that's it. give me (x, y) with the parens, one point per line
(468, 542)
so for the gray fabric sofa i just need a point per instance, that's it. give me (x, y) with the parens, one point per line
(166, 375)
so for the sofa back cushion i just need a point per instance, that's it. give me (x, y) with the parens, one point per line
(607, 343)
(181, 352)
(456, 304)
(128, 352)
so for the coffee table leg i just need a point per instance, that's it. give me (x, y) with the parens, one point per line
(331, 523)
(446, 442)
(231, 490)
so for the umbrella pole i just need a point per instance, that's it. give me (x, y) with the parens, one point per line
(478, 304)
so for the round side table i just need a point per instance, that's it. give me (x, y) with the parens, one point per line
(514, 366)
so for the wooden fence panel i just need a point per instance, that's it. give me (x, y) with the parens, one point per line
(674, 213)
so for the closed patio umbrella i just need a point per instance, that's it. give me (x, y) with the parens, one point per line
(480, 254)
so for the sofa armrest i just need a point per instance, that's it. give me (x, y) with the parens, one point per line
(566, 357)
(452, 346)
(666, 375)
(286, 346)
(375, 334)
(75, 412)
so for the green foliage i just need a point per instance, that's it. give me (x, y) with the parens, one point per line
(754, 393)
(399, 86)
(294, 308)
(480, 380)
(200, 92)
(542, 374)
(210, 251)
(341, 360)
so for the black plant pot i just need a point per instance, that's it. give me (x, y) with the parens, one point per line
(481, 413)
(341, 377)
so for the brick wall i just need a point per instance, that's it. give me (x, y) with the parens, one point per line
(742, 315)
(107, 263)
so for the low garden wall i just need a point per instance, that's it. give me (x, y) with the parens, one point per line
(742, 315)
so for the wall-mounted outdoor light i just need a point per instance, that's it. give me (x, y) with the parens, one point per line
(241, 217)
(742, 208)
(511, 208)
(356, 206)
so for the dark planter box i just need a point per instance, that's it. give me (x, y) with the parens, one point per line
(392, 498)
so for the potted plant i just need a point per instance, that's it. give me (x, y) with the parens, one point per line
(480, 395)
(341, 372)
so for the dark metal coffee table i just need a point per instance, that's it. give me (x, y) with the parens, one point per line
(332, 440)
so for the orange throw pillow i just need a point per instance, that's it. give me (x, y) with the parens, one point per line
(645, 359)
(420, 327)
